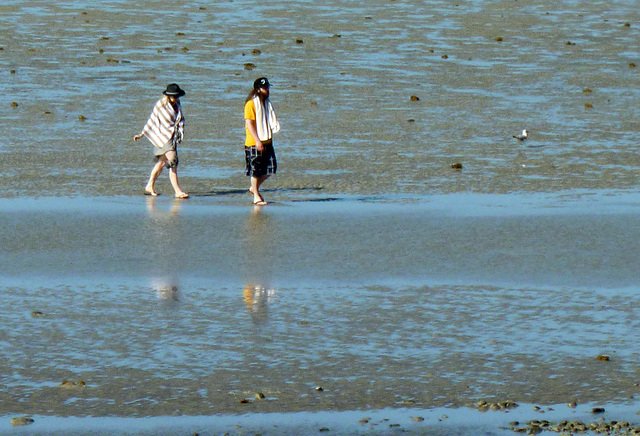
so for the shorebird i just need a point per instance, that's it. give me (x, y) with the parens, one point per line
(523, 136)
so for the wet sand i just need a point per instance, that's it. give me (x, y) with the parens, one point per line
(343, 77)
(402, 286)
(433, 422)
(168, 308)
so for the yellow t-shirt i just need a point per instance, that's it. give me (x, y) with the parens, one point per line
(250, 114)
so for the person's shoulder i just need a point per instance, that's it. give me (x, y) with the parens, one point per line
(161, 102)
(249, 109)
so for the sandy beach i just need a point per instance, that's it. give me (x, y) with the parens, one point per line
(419, 86)
(417, 267)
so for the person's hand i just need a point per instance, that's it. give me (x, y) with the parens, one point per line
(135, 138)
(259, 146)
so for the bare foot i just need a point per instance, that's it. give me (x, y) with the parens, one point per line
(150, 192)
(182, 195)
(258, 200)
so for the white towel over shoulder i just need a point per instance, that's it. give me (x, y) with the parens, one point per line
(266, 122)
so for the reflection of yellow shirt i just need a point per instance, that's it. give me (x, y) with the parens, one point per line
(247, 293)
(249, 114)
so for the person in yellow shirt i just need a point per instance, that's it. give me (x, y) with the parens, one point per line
(260, 125)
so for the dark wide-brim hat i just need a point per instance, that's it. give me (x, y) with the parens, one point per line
(262, 82)
(174, 90)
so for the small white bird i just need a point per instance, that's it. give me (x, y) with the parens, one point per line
(523, 136)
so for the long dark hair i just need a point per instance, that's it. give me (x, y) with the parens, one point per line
(251, 95)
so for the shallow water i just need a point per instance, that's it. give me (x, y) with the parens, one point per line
(172, 307)
(433, 422)
(344, 90)
(379, 273)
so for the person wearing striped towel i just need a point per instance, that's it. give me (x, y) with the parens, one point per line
(260, 125)
(165, 130)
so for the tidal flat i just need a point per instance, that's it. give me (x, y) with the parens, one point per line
(166, 308)
(415, 259)
(84, 77)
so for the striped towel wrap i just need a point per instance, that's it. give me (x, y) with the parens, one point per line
(165, 124)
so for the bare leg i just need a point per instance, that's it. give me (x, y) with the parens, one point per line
(173, 176)
(256, 182)
(155, 172)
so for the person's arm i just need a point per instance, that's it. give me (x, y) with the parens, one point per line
(253, 130)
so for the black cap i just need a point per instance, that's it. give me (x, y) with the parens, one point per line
(262, 82)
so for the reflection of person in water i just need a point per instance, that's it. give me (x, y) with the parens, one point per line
(165, 289)
(260, 249)
(259, 255)
(163, 247)
(257, 300)
(155, 213)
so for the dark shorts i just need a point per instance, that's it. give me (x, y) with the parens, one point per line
(260, 164)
